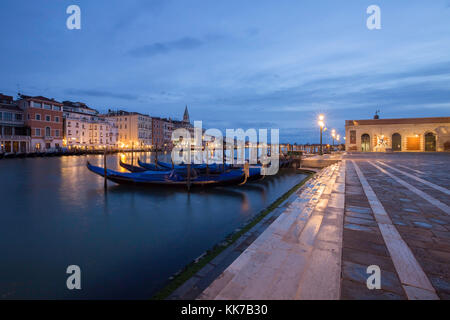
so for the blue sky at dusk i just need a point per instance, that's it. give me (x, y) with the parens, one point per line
(248, 64)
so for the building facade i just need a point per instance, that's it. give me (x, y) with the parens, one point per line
(398, 135)
(158, 135)
(84, 128)
(14, 136)
(44, 117)
(135, 129)
(168, 129)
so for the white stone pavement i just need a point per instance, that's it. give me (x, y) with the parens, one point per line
(299, 255)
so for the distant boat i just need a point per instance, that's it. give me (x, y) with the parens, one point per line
(175, 178)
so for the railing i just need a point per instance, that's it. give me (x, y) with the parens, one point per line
(14, 137)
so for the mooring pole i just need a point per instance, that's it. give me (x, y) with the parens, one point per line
(207, 155)
(223, 156)
(189, 176)
(104, 166)
(132, 153)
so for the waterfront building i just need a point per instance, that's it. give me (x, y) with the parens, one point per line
(44, 117)
(85, 128)
(135, 129)
(168, 129)
(406, 134)
(158, 133)
(14, 136)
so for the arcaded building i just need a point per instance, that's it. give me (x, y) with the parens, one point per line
(398, 135)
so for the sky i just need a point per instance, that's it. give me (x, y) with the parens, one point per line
(235, 64)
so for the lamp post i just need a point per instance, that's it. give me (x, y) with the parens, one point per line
(338, 137)
(321, 125)
(333, 135)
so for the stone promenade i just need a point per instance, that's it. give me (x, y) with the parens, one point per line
(385, 210)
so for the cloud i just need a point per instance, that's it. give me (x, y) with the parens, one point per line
(156, 48)
(101, 93)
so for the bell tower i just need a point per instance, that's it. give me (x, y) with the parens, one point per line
(186, 116)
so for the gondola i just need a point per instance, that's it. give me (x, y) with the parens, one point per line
(172, 178)
(254, 171)
(132, 168)
(152, 167)
(213, 168)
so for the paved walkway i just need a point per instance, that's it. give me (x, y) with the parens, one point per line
(387, 210)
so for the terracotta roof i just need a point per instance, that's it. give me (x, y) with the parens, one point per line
(5, 97)
(40, 98)
(77, 105)
(398, 121)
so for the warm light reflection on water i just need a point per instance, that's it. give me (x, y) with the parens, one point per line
(127, 240)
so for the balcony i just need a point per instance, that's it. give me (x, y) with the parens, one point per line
(14, 137)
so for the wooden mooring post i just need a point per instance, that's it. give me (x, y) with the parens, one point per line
(132, 153)
(189, 176)
(106, 170)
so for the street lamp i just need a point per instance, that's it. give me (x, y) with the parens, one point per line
(321, 124)
(333, 134)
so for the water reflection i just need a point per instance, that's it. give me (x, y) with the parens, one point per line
(127, 240)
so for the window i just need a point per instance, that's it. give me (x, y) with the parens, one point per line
(48, 132)
(57, 108)
(69, 132)
(37, 104)
(7, 116)
(56, 119)
(56, 133)
(47, 106)
(48, 118)
(38, 117)
(353, 137)
(19, 117)
(1, 116)
(38, 132)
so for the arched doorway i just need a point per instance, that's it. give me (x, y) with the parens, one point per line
(430, 142)
(365, 143)
(396, 142)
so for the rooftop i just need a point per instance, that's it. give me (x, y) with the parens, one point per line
(39, 98)
(397, 121)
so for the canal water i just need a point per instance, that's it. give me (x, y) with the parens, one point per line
(127, 241)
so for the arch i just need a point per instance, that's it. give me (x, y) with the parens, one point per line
(396, 142)
(430, 142)
(365, 142)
